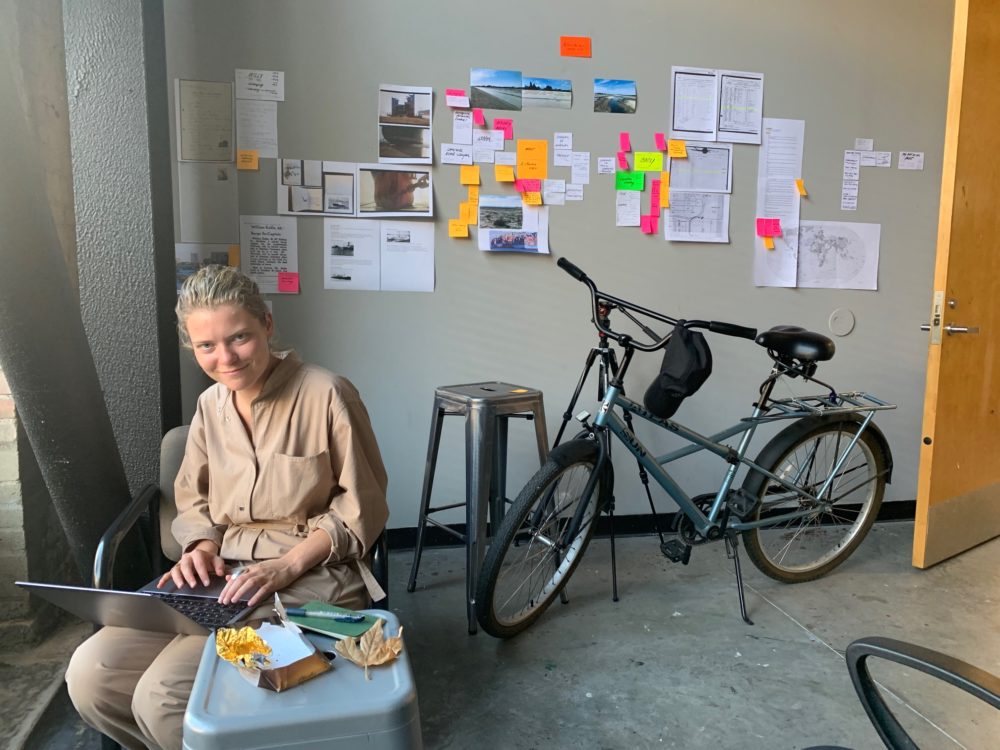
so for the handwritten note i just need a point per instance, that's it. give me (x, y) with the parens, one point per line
(574, 46)
(630, 181)
(622, 160)
(562, 141)
(532, 159)
(288, 282)
(531, 198)
(248, 159)
(456, 98)
(458, 228)
(474, 195)
(528, 186)
(503, 172)
(677, 149)
(648, 161)
(469, 175)
(624, 142)
(768, 227)
(661, 141)
(506, 125)
(268, 85)
(456, 153)
(478, 118)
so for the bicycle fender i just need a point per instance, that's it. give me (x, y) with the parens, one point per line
(770, 453)
(579, 448)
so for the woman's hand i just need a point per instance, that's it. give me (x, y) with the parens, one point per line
(264, 578)
(196, 566)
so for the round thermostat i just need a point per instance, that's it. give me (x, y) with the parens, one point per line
(841, 322)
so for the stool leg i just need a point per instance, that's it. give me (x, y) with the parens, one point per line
(480, 431)
(541, 435)
(498, 476)
(425, 495)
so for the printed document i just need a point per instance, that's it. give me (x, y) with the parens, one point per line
(779, 165)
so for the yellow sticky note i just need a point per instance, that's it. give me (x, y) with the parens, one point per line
(463, 212)
(248, 159)
(503, 172)
(677, 149)
(768, 242)
(801, 187)
(648, 161)
(531, 199)
(469, 174)
(457, 228)
(532, 159)
(234, 256)
(474, 195)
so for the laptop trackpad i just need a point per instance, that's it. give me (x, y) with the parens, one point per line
(212, 591)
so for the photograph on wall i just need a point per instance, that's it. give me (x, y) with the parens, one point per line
(190, 256)
(404, 124)
(507, 225)
(555, 93)
(384, 190)
(495, 89)
(311, 186)
(614, 95)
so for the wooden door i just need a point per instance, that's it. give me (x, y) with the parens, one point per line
(958, 493)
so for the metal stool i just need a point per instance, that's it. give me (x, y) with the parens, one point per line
(487, 408)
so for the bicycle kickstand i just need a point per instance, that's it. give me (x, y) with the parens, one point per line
(733, 551)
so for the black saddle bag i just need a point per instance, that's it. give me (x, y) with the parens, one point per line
(687, 363)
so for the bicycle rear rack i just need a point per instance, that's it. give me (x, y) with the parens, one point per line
(851, 402)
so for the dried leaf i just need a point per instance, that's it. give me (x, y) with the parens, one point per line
(372, 648)
(243, 647)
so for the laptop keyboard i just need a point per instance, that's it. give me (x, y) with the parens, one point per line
(208, 613)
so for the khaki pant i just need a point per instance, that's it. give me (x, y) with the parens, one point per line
(133, 685)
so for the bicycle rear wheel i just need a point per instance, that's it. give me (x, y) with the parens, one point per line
(531, 557)
(806, 454)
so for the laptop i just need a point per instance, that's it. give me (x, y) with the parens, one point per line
(185, 610)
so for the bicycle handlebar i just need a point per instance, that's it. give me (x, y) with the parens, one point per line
(726, 329)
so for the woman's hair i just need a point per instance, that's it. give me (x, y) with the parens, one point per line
(214, 286)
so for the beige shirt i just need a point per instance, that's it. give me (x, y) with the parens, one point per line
(313, 464)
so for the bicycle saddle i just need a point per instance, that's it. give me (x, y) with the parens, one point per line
(797, 343)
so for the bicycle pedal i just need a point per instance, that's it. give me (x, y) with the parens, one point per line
(676, 551)
(741, 504)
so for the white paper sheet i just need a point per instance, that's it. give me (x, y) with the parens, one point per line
(269, 245)
(264, 85)
(257, 127)
(838, 255)
(580, 172)
(741, 106)
(605, 165)
(456, 153)
(696, 217)
(407, 251)
(204, 112)
(562, 158)
(627, 208)
(708, 168)
(209, 202)
(351, 254)
(488, 139)
(694, 98)
(508, 158)
(852, 165)
(461, 129)
(849, 195)
(910, 160)
(483, 154)
(779, 165)
(404, 124)
(883, 159)
(864, 144)
(554, 192)
(574, 192)
(562, 142)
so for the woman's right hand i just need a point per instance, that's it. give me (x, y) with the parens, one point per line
(196, 566)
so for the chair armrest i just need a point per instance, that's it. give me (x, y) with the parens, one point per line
(956, 672)
(380, 567)
(107, 547)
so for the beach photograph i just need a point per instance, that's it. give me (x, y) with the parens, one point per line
(614, 95)
(556, 93)
(495, 89)
(500, 212)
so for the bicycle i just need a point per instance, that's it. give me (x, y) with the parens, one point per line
(805, 504)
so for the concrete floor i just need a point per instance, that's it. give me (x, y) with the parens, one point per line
(672, 665)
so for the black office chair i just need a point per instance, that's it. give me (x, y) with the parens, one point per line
(955, 672)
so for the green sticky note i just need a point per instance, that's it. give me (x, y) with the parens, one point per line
(630, 181)
(648, 161)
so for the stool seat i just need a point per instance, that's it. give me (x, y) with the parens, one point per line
(487, 407)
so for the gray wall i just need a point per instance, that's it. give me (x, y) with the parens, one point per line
(849, 69)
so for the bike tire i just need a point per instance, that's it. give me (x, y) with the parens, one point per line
(529, 561)
(807, 548)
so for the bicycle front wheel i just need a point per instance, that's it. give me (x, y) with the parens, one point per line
(535, 550)
(807, 455)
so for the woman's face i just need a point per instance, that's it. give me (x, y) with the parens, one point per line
(231, 346)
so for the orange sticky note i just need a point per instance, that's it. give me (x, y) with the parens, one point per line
(677, 149)
(768, 242)
(234, 256)
(531, 199)
(464, 212)
(503, 173)
(458, 228)
(532, 159)
(801, 187)
(664, 189)
(288, 282)
(574, 46)
(474, 195)
(469, 174)
(478, 118)
(248, 159)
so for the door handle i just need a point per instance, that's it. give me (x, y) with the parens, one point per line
(950, 329)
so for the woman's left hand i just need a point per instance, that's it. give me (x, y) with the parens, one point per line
(260, 579)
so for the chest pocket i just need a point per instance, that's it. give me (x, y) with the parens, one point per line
(294, 488)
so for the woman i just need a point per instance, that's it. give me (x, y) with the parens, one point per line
(281, 476)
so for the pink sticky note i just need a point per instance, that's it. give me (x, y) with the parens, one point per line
(624, 142)
(654, 197)
(528, 186)
(768, 227)
(477, 116)
(622, 161)
(506, 125)
(654, 221)
(645, 223)
(288, 282)
(454, 92)
(661, 141)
